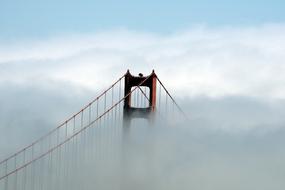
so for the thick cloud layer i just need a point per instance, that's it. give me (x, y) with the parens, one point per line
(198, 61)
(230, 81)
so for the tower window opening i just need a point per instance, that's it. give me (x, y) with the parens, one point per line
(140, 97)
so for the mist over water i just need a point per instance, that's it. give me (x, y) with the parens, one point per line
(183, 157)
(226, 143)
(214, 149)
(229, 81)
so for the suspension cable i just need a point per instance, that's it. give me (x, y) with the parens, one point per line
(72, 136)
(179, 108)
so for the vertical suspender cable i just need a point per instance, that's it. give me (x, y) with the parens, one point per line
(159, 101)
(145, 102)
(6, 178)
(25, 170)
(58, 161)
(73, 154)
(166, 106)
(142, 99)
(49, 181)
(16, 173)
(41, 167)
(33, 170)
(66, 160)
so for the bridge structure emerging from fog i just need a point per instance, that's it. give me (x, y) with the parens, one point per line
(91, 145)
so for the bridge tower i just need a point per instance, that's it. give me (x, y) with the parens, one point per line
(130, 112)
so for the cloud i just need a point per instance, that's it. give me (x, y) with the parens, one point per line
(229, 80)
(30, 111)
(212, 62)
(210, 70)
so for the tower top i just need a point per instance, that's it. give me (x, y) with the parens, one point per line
(138, 81)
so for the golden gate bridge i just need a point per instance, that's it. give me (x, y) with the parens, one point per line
(93, 141)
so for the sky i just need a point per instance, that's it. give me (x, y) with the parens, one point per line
(222, 60)
(38, 19)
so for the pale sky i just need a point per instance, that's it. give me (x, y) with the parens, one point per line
(21, 19)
